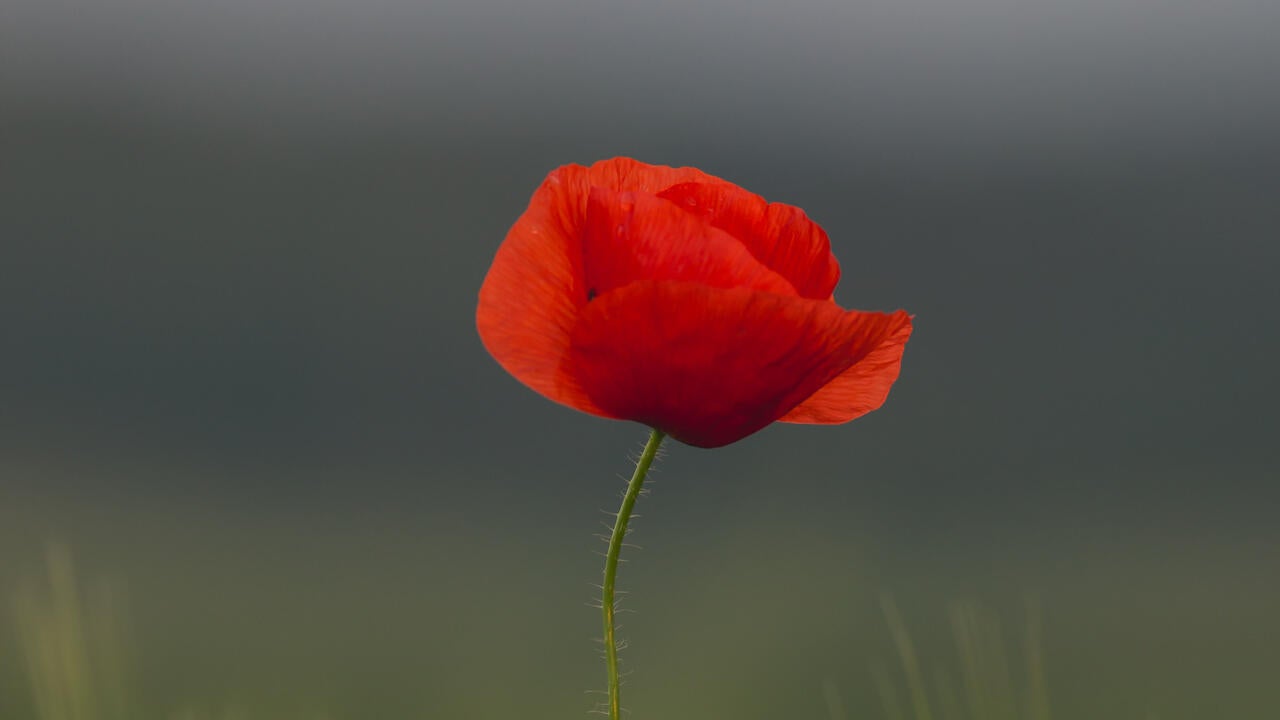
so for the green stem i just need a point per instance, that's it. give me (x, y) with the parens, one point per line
(611, 566)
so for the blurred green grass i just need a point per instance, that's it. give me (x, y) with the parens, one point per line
(990, 685)
(75, 651)
(74, 648)
(752, 625)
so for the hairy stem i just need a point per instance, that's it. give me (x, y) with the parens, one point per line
(607, 603)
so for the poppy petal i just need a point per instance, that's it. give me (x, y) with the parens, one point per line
(530, 298)
(779, 235)
(623, 173)
(631, 236)
(858, 390)
(710, 366)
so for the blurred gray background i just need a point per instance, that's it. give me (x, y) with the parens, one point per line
(240, 246)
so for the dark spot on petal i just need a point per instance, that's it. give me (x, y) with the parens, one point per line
(591, 294)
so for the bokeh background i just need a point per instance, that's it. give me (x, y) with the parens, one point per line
(255, 463)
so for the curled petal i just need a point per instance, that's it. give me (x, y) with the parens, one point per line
(566, 190)
(858, 390)
(631, 236)
(778, 235)
(710, 366)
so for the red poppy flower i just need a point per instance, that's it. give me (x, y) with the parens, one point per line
(679, 300)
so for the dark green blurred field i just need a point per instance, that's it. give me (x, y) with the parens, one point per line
(175, 612)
